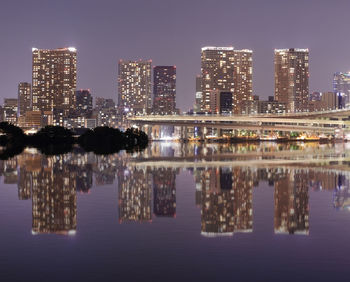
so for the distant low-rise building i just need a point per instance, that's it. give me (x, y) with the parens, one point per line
(83, 103)
(10, 110)
(326, 101)
(272, 106)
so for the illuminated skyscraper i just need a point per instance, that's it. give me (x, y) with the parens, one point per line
(243, 78)
(164, 90)
(292, 78)
(54, 79)
(341, 86)
(228, 70)
(24, 98)
(134, 86)
(217, 65)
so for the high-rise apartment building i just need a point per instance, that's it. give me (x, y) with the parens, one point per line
(134, 86)
(217, 65)
(83, 103)
(54, 77)
(164, 90)
(228, 70)
(24, 98)
(292, 78)
(341, 86)
(243, 78)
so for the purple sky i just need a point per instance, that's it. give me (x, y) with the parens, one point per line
(172, 33)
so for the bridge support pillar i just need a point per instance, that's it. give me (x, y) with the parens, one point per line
(155, 132)
(184, 133)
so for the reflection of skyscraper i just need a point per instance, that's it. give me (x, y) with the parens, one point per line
(135, 189)
(291, 203)
(24, 184)
(54, 200)
(217, 204)
(341, 194)
(226, 200)
(104, 170)
(243, 199)
(10, 171)
(164, 189)
(83, 175)
(29, 165)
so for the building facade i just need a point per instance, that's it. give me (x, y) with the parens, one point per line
(217, 66)
(221, 102)
(24, 98)
(226, 70)
(243, 78)
(54, 76)
(134, 86)
(164, 90)
(10, 110)
(292, 78)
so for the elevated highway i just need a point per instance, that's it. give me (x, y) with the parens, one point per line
(317, 122)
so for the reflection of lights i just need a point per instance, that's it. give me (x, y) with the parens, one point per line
(167, 138)
(34, 233)
(213, 234)
(72, 232)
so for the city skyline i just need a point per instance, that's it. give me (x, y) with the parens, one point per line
(92, 36)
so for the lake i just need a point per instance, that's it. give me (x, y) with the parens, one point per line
(178, 212)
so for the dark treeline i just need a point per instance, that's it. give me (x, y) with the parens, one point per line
(53, 140)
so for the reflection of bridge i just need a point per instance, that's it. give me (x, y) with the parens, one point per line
(326, 122)
(329, 161)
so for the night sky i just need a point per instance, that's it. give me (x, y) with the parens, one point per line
(172, 33)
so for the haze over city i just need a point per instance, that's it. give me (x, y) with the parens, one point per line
(172, 33)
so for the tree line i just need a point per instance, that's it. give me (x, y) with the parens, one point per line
(52, 140)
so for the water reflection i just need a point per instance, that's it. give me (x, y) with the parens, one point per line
(226, 200)
(146, 183)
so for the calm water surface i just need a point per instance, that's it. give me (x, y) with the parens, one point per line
(178, 212)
